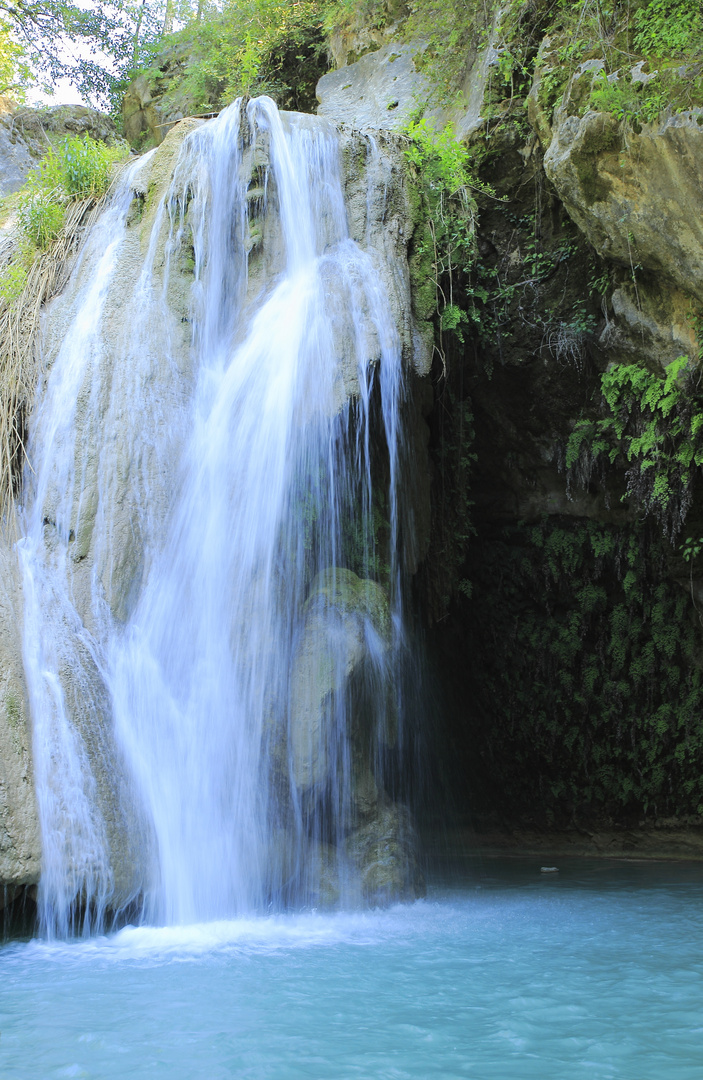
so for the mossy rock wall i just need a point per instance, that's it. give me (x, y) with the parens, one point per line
(563, 625)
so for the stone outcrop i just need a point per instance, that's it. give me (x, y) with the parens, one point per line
(389, 85)
(381, 90)
(636, 196)
(633, 189)
(346, 621)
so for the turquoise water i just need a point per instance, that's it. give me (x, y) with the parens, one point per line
(593, 973)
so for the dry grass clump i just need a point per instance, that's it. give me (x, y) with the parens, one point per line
(27, 281)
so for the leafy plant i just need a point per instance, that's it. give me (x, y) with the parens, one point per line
(84, 167)
(41, 217)
(13, 277)
(668, 27)
(447, 183)
(655, 423)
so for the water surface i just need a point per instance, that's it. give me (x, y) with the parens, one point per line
(594, 973)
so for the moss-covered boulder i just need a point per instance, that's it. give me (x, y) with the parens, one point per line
(636, 196)
(346, 619)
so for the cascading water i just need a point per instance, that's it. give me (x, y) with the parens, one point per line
(213, 606)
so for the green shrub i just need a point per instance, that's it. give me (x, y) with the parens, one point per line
(41, 217)
(13, 280)
(75, 169)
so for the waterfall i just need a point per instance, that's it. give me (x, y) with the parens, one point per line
(213, 592)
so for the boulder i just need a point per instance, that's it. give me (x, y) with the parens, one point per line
(345, 617)
(636, 196)
(383, 851)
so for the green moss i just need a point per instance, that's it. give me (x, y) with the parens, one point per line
(13, 709)
(594, 186)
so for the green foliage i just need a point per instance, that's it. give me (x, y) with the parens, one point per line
(75, 169)
(449, 30)
(13, 277)
(588, 692)
(15, 74)
(628, 100)
(655, 423)
(446, 250)
(691, 548)
(42, 35)
(350, 15)
(651, 37)
(249, 47)
(41, 217)
(668, 27)
(442, 161)
(80, 167)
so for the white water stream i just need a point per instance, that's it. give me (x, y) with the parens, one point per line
(179, 515)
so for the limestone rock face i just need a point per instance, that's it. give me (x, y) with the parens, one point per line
(650, 321)
(384, 852)
(342, 654)
(15, 157)
(39, 126)
(140, 112)
(20, 853)
(381, 90)
(637, 197)
(113, 404)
